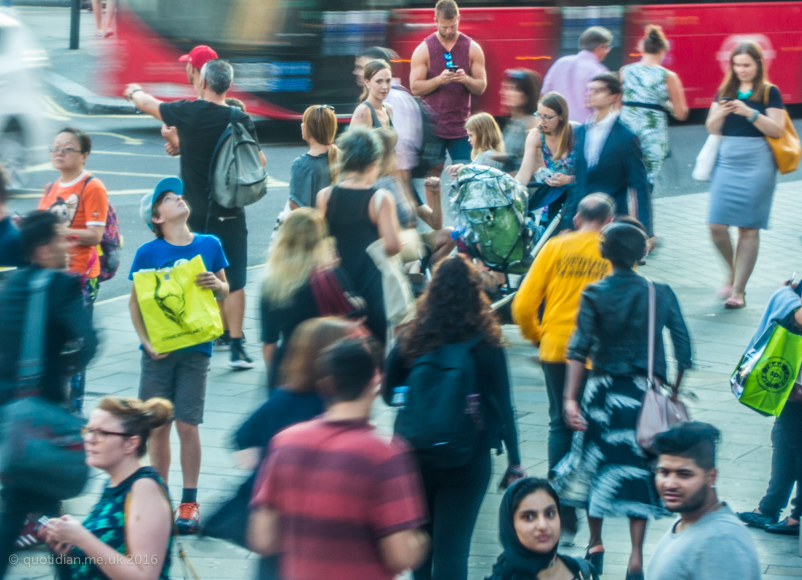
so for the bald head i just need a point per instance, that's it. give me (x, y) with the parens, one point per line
(596, 210)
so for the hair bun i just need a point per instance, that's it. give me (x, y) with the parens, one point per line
(159, 411)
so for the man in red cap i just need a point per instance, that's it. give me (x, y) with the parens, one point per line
(195, 60)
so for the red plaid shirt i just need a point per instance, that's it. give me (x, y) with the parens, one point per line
(339, 489)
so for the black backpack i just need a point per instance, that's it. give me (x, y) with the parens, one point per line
(441, 417)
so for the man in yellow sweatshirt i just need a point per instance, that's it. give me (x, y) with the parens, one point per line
(562, 269)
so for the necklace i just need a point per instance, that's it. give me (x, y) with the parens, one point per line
(744, 94)
(712, 508)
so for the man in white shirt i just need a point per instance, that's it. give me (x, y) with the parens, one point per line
(571, 74)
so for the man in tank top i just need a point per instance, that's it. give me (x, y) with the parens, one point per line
(447, 68)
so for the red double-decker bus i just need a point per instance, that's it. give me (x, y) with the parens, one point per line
(289, 54)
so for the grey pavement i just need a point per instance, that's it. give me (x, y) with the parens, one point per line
(685, 259)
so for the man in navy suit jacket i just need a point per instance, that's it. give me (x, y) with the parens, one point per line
(608, 155)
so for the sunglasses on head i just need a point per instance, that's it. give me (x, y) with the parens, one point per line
(321, 107)
(518, 75)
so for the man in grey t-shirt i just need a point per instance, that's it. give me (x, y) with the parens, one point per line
(707, 542)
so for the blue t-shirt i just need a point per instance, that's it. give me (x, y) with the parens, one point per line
(159, 255)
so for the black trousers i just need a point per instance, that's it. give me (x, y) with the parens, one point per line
(786, 463)
(454, 496)
(16, 506)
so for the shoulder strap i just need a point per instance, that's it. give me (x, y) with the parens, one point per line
(585, 572)
(652, 308)
(766, 91)
(376, 123)
(31, 366)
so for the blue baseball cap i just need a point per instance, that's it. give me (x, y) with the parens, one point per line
(173, 184)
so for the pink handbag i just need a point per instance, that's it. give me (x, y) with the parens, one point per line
(658, 412)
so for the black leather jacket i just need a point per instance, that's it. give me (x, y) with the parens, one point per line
(613, 324)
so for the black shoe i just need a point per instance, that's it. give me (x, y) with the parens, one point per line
(635, 575)
(783, 528)
(597, 561)
(239, 358)
(756, 520)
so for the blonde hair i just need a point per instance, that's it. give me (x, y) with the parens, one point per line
(302, 245)
(487, 135)
(321, 124)
(139, 417)
(371, 68)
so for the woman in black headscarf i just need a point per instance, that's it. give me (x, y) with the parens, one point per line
(529, 527)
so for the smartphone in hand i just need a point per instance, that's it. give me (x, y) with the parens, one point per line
(512, 475)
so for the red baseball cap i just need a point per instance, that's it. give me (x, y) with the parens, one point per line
(199, 56)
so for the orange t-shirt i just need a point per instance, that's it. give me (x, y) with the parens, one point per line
(79, 207)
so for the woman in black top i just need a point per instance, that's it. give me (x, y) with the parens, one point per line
(747, 109)
(608, 474)
(301, 255)
(452, 310)
(371, 111)
(529, 530)
(358, 214)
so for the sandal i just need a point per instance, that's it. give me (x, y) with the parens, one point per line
(596, 559)
(724, 292)
(733, 304)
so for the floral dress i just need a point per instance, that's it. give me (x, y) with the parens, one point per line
(107, 522)
(646, 85)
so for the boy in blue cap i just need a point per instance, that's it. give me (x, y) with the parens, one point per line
(179, 376)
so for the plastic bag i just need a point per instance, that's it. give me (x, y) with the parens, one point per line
(177, 313)
(765, 375)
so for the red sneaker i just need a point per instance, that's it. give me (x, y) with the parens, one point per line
(188, 518)
(28, 537)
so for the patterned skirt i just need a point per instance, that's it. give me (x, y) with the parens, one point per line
(606, 472)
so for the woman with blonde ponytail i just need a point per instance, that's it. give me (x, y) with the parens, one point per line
(319, 167)
(134, 515)
(372, 112)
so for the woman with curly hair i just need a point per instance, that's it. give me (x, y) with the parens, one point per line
(453, 310)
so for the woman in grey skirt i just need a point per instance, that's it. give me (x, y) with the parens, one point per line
(747, 109)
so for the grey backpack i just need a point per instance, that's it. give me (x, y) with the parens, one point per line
(236, 175)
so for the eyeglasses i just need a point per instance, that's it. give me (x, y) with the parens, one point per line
(54, 149)
(595, 90)
(545, 117)
(321, 107)
(100, 434)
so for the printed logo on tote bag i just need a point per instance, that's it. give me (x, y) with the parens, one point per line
(775, 374)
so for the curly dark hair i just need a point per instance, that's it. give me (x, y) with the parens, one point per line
(453, 308)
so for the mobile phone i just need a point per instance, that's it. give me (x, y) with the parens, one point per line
(725, 99)
(512, 474)
(452, 68)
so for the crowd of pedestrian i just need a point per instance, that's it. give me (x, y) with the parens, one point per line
(327, 497)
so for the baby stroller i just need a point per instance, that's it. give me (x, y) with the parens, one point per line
(498, 225)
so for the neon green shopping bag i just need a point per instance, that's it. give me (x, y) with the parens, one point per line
(177, 313)
(766, 374)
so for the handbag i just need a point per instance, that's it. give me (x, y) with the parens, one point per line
(399, 301)
(765, 376)
(330, 298)
(786, 148)
(658, 412)
(41, 447)
(706, 160)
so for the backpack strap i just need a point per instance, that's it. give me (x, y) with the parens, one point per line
(31, 365)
